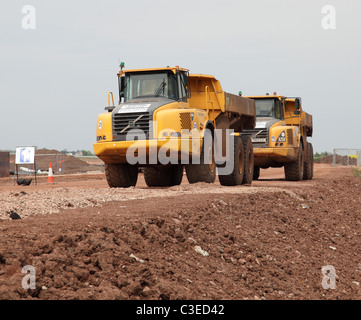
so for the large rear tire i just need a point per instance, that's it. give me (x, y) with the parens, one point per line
(121, 175)
(308, 164)
(163, 176)
(248, 160)
(206, 170)
(236, 176)
(294, 170)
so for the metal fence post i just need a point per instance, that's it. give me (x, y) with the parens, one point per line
(359, 158)
(57, 163)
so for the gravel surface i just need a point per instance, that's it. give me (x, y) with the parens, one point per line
(27, 203)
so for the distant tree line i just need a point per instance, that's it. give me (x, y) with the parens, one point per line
(322, 154)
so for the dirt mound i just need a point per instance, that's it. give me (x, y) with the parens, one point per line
(340, 160)
(48, 151)
(67, 163)
(214, 246)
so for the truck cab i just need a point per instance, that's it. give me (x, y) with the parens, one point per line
(280, 136)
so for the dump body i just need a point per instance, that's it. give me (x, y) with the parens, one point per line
(239, 105)
(207, 92)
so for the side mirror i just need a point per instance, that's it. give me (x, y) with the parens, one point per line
(297, 104)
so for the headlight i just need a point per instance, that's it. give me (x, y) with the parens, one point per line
(100, 124)
(172, 134)
(282, 137)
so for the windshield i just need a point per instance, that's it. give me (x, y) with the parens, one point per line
(142, 85)
(268, 108)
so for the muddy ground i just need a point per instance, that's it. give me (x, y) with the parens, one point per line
(265, 241)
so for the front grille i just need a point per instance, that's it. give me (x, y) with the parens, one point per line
(289, 136)
(123, 123)
(186, 122)
(259, 136)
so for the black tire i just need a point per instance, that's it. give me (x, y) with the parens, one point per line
(177, 175)
(237, 156)
(308, 164)
(294, 170)
(203, 172)
(163, 176)
(121, 175)
(256, 173)
(248, 160)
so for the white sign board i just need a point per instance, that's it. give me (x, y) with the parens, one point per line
(132, 108)
(25, 155)
(261, 124)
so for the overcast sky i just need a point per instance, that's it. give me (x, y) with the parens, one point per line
(55, 78)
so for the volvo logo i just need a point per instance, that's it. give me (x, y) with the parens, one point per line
(131, 123)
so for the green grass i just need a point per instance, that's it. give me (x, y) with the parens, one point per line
(357, 173)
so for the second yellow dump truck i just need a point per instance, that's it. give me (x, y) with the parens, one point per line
(167, 120)
(281, 135)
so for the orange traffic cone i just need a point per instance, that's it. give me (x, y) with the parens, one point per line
(50, 174)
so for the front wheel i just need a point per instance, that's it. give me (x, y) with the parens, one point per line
(206, 170)
(294, 170)
(121, 175)
(163, 176)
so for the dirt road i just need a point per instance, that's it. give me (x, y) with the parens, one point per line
(265, 241)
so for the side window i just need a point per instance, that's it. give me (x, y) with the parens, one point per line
(185, 82)
(182, 80)
(278, 109)
(172, 86)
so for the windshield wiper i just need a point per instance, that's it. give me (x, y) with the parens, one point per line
(160, 89)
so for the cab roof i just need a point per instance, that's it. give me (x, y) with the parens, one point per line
(173, 69)
(265, 97)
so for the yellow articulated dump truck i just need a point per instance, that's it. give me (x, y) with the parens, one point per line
(280, 137)
(168, 120)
